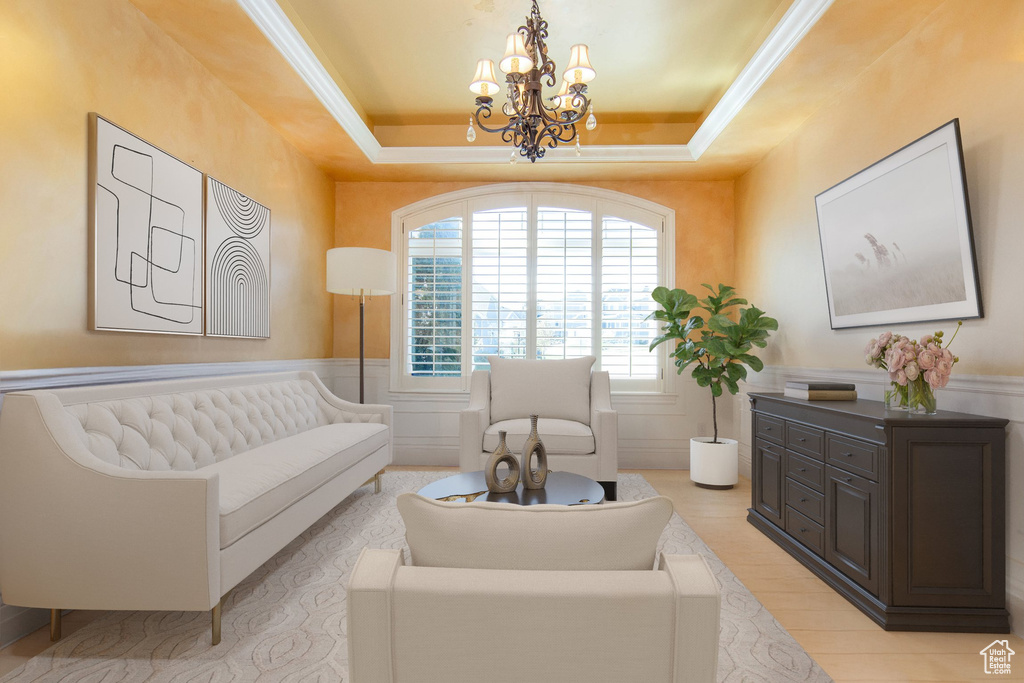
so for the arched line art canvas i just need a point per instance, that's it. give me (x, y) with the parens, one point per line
(238, 264)
(147, 224)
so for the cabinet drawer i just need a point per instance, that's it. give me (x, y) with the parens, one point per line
(808, 502)
(808, 472)
(805, 530)
(769, 428)
(805, 440)
(859, 457)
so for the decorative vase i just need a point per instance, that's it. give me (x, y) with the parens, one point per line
(501, 455)
(921, 397)
(896, 396)
(714, 465)
(534, 478)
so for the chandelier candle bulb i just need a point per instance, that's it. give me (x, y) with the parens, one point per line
(562, 99)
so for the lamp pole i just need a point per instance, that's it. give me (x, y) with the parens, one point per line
(362, 306)
(362, 272)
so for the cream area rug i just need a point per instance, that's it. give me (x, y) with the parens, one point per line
(286, 622)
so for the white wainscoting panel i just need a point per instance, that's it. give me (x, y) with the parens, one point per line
(989, 395)
(654, 429)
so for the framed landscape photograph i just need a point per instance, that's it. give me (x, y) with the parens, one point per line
(896, 239)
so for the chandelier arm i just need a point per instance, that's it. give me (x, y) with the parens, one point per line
(482, 126)
(555, 132)
(482, 114)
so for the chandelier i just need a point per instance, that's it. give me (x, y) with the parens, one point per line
(534, 122)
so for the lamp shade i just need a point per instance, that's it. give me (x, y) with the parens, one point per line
(516, 59)
(563, 100)
(358, 270)
(484, 83)
(579, 69)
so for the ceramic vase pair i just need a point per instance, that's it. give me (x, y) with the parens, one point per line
(533, 478)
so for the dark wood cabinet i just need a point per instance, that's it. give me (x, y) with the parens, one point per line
(901, 513)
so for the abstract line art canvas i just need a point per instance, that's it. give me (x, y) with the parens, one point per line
(147, 227)
(238, 264)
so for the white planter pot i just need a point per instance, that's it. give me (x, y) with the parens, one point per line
(714, 465)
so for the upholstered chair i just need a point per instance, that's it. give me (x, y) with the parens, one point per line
(577, 424)
(544, 593)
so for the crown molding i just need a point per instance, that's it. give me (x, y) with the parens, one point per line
(277, 27)
(501, 155)
(794, 25)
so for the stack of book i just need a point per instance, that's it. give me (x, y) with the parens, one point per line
(821, 391)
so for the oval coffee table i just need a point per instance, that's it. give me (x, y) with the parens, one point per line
(561, 488)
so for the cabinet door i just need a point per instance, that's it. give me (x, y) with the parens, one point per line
(768, 491)
(852, 526)
(948, 517)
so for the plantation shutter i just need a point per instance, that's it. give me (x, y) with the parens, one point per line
(629, 273)
(434, 291)
(500, 284)
(564, 289)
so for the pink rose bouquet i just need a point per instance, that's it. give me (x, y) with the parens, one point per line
(916, 367)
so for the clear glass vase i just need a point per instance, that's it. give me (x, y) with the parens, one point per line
(897, 396)
(921, 397)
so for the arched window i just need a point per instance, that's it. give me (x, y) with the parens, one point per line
(528, 270)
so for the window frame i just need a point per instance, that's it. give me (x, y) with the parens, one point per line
(462, 204)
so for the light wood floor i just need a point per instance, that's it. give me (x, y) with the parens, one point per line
(848, 645)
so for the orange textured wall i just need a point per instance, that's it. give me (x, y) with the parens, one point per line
(60, 60)
(704, 240)
(966, 60)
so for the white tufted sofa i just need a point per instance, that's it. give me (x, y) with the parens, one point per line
(165, 495)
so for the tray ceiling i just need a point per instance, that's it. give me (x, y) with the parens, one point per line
(685, 88)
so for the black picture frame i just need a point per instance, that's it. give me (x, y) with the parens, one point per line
(897, 242)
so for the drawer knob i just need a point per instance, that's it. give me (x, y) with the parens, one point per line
(801, 439)
(803, 530)
(801, 469)
(847, 479)
(846, 454)
(803, 500)
(767, 429)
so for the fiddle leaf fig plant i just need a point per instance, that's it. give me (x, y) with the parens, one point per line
(717, 346)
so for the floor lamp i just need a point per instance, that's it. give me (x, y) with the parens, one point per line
(361, 272)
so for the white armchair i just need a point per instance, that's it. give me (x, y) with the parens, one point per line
(544, 593)
(577, 424)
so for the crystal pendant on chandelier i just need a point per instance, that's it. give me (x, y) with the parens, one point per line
(579, 152)
(536, 121)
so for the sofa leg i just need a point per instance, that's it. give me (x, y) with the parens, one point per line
(215, 616)
(610, 489)
(376, 481)
(55, 625)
